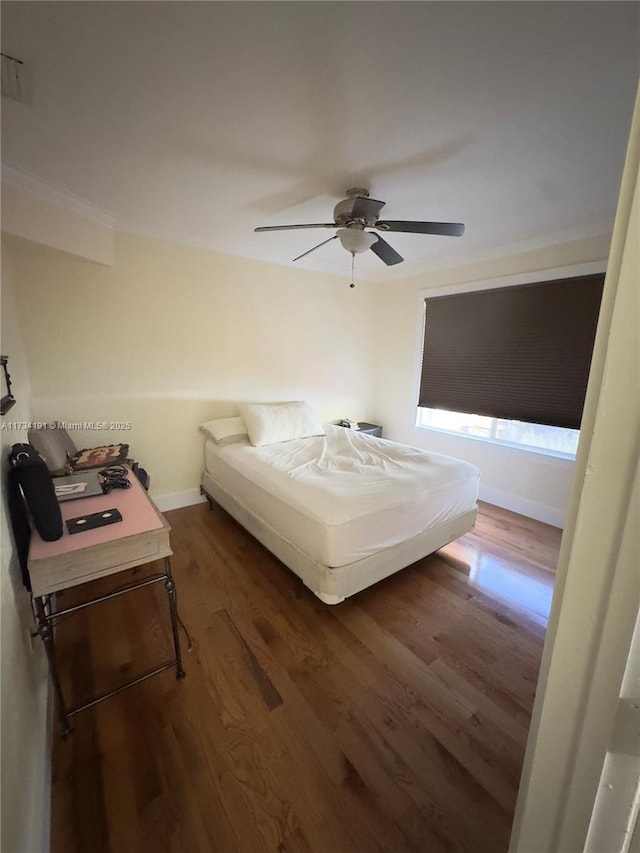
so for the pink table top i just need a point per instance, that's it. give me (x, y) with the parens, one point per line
(138, 516)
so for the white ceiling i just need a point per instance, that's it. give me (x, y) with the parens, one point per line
(197, 122)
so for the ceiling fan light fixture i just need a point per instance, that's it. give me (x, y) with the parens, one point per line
(356, 241)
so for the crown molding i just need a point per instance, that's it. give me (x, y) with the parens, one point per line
(237, 249)
(509, 250)
(20, 179)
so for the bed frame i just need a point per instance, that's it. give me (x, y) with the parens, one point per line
(333, 585)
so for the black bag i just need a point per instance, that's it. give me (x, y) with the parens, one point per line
(29, 471)
(19, 524)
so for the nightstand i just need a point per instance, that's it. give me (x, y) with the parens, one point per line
(369, 429)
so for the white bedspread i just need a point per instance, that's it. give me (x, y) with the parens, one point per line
(346, 495)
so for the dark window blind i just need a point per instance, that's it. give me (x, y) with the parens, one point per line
(521, 353)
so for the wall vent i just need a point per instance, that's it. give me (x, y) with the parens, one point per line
(12, 77)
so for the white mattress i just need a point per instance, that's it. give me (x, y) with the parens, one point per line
(344, 496)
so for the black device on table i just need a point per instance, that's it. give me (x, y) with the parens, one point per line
(113, 477)
(93, 520)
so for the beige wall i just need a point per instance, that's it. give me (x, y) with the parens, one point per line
(171, 336)
(526, 482)
(25, 753)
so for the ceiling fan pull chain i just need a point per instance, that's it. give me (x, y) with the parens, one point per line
(353, 260)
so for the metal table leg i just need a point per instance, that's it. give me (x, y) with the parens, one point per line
(45, 630)
(170, 586)
(45, 622)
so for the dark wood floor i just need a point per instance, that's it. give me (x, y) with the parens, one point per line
(395, 721)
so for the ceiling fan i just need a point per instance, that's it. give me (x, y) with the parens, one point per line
(356, 213)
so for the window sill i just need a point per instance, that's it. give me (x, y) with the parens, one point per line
(508, 445)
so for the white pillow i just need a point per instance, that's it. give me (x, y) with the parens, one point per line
(269, 424)
(225, 430)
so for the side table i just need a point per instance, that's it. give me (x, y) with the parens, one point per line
(369, 429)
(141, 537)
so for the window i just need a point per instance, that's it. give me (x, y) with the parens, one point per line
(560, 440)
(510, 364)
(512, 354)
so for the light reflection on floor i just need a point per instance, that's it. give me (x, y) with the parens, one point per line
(510, 586)
(529, 589)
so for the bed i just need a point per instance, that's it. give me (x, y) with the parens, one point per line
(341, 509)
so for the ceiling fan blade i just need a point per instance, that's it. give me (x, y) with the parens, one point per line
(366, 208)
(290, 227)
(308, 252)
(446, 229)
(386, 252)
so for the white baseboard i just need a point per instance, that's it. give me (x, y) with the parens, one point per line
(175, 500)
(523, 506)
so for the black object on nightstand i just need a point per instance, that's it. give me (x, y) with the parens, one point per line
(363, 426)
